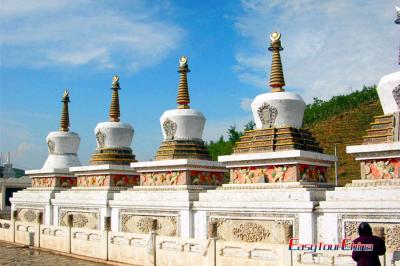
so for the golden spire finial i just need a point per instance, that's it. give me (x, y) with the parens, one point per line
(183, 99)
(64, 123)
(114, 113)
(276, 80)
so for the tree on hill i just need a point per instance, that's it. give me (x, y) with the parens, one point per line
(225, 147)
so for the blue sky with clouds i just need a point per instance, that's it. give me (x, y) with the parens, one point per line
(331, 48)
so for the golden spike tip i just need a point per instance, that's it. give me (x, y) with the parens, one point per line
(277, 80)
(183, 98)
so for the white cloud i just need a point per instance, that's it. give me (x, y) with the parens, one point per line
(245, 104)
(330, 46)
(17, 139)
(47, 33)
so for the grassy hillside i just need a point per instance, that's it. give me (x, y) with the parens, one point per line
(346, 129)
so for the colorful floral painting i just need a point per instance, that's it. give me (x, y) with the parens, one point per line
(206, 178)
(93, 181)
(125, 180)
(108, 180)
(263, 174)
(162, 178)
(44, 182)
(384, 169)
(313, 173)
(67, 181)
(179, 178)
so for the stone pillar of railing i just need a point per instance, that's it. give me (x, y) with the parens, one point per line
(380, 231)
(212, 236)
(14, 217)
(151, 244)
(70, 223)
(107, 229)
(107, 223)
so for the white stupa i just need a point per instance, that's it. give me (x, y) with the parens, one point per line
(108, 174)
(113, 138)
(34, 204)
(182, 127)
(170, 184)
(62, 144)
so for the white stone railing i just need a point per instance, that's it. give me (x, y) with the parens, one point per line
(242, 253)
(181, 251)
(55, 238)
(150, 249)
(90, 243)
(26, 233)
(128, 248)
(6, 230)
(341, 257)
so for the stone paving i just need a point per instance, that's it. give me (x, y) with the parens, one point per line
(17, 255)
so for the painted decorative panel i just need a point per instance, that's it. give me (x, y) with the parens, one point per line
(263, 174)
(163, 178)
(380, 169)
(206, 178)
(312, 173)
(278, 174)
(169, 127)
(64, 181)
(108, 180)
(44, 182)
(267, 114)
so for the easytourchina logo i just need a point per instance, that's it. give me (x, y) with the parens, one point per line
(346, 244)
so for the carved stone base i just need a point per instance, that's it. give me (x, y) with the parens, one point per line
(246, 230)
(122, 156)
(29, 215)
(384, 129)
(389, 229)
(80, 218)
(141, 224)
(276, 139)
(182, 149)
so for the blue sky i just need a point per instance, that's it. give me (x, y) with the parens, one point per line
(331, 48)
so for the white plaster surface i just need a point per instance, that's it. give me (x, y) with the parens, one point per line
(189, 123)
(375, 151)
(36, 198)
(117, 134)
(385, 91)
(178, 164)
(47, 172)
(290, 107)
(150, 199)
(108, 168)
(65, 151)
(264, 202)
(364, 202)
(87, 199)
(294, 155)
